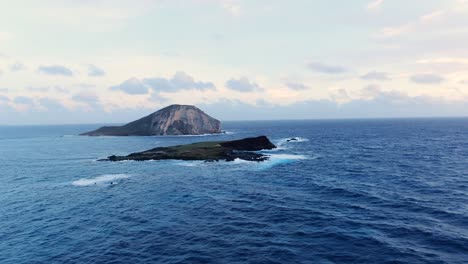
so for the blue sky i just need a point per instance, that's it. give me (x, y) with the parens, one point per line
(86, 61)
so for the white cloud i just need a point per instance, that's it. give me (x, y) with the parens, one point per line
(155, 97)
(5, 36)
(444, 60)
(433, 16)
(296, 86)
(461, 5)
(131, 86)
(449, 18)
(95, 71)
(4, 98)
(375, 76)
(427, 78)
(379, 103)
(340, 96)
(55, 70)
(326, 68)
(232, 6)
(243, 84)
(24, 100)
(375, 4)
(99, 15)
(389, 32)
(51, 104)
(87, 98)
(353, 59)
(17, 66)
(180, 81)
(37, 89)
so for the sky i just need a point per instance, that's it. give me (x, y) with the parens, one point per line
(112, 61)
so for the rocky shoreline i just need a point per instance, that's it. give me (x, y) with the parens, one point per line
(243, 149)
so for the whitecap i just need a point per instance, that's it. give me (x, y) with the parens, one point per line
(273, 160)
(278, 159)
(240, 161)
(286, 157)
(102, 179)
(190, 163)
(278, 148)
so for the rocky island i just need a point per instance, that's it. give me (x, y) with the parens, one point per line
(207, 151)
(171, 120)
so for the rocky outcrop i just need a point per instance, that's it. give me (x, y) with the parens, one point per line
(171, 120)
(208, 151)
(249, 144)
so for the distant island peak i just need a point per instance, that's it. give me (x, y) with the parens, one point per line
(171, 120)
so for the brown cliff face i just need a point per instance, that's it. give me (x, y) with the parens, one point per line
(171, 120)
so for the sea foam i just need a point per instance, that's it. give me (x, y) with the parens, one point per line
(102, 179)
(278, 159)
(273, 160)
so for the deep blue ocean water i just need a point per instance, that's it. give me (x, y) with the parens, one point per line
(350, 191)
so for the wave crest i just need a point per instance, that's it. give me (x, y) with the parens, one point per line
(102, 179)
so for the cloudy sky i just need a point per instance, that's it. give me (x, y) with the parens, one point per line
(107, 61)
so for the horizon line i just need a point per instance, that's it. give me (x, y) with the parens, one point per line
(257, 120)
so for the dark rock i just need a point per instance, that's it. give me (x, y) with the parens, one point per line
(207, 151)
(171, 120)
(250, 144)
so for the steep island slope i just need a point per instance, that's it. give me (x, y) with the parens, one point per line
(171, 120)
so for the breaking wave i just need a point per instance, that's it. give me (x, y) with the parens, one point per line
(102, 179)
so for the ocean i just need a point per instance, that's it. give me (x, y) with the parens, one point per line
(347, 191)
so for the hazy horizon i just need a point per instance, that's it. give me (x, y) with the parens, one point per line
(82, 62)
(252, 120)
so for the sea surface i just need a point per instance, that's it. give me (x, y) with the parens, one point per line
(347, 191)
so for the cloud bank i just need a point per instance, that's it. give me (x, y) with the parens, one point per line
(296, 86)
(180, 81)
(131, 86)
(427, 79)
(326, 68)
(95, 71)
(55, 70)
(375, 76)
(243, 85)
